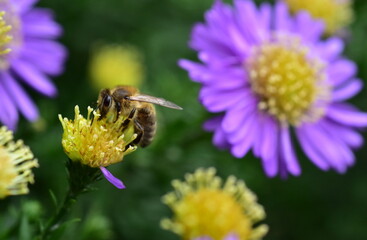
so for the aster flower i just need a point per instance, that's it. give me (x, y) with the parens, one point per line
(196, 213)
(336, 14)
(97, 143)
(16, 162)
(268, 74)
(34, 55)
(114, 64)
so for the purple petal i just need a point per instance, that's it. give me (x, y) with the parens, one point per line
(346, 134)
(20, 97)
(8, 115)
(270, 161)
(310, 29)
(346, 114)
(247, 20)
(269, 135)
(341, 71)
(112, 179)
(330, 49)
(231, 237)
(348, 90)
(328, 148)
(235, 116)
(23, 6)
(34, 77)
(282, 19)
(213, 123)
(309, 146)
(288, 154)
(39, 23)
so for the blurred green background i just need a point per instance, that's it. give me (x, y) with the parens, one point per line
(317, 205)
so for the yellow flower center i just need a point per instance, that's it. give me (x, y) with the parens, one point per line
(16, 161)
(287, 81)
(202, 207)
(336, 14)
(4, 36)
(212, 213)
(113, 65)
(11, 36)
(96, 142)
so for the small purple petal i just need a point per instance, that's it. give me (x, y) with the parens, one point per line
(23, 6)
(8, 114)
(112, 179)
(330, 49)
(20, 97)
(341, 71)
(348, 90)
(288, 154)
(346, 114)
(33, 77)
(231, 237)
(308, 28)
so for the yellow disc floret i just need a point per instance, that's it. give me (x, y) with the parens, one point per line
(287, 81)
(16, 161)
(113, 65)
(336, 14)
(96, 142)
(203, 207)
(4, 35)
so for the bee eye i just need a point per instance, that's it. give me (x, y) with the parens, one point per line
(107, 101)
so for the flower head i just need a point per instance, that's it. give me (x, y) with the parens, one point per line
(336, 14)
(204, 208)
(34, 55)
(273, 74)
(113, 65)
(97, 142)
(16, 161)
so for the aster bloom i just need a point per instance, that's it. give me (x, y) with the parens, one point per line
(16, 162)
(268, 74)
(206, 209)
(97, 143)
(336, 14)
(114, 64)
(34, 55)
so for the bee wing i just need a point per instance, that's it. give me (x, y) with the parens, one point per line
(155, 100)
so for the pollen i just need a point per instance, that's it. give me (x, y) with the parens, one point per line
(96, 142)
(16, 162)
(289, 83)
(203, 207)
(336, 14)
(5, 38)
(114, 64)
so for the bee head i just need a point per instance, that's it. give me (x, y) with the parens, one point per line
(105, 102)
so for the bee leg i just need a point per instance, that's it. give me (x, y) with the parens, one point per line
(118, 110)
(139, 130)
(126, 122)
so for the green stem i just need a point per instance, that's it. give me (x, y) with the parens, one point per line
(61, 212)
(80, 179)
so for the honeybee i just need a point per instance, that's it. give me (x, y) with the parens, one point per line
(137, 107)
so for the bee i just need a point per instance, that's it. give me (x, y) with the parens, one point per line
(136, 107)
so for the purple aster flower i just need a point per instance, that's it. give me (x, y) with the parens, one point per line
(268, 74)
(34, 56)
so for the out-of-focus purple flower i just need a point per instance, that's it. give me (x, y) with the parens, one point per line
(34, 56)
(268, 74)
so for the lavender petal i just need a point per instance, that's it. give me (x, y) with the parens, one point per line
(112, 179)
